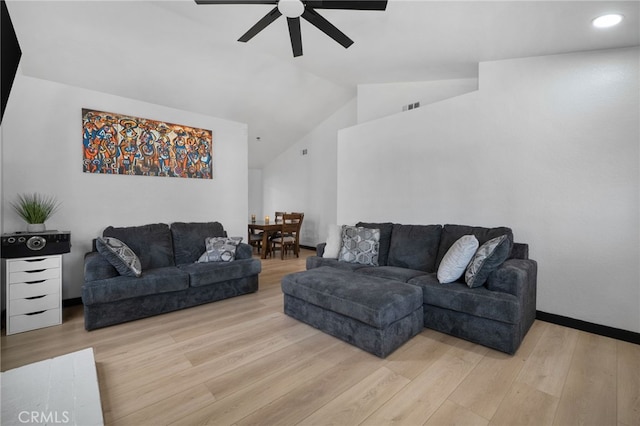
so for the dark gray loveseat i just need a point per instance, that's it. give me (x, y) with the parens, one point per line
(171, 279)
(497, 314)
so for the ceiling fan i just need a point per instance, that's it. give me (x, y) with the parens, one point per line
(294, 9)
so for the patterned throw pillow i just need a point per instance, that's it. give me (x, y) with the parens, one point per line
(120, 256)
(457, 258)
(486, 260)
(360, 245)
(220, 249)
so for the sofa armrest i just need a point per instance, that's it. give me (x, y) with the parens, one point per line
(97, 267)
(244, 251)
(320, 249)
(515, 276)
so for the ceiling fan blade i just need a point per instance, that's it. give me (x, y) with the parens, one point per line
(236, 2)
(261, 24)
(348, 4)
(296, 36)
(327, 27)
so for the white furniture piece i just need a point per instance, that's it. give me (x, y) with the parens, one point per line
(34, 292)
(61, 390)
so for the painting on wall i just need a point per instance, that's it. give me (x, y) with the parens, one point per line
(125, 145)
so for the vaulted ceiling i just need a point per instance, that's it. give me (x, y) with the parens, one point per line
(186, 56)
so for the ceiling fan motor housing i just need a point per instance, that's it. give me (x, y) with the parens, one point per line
(291, 8)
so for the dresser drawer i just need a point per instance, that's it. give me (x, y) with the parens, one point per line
(34, 304)
(34, 264)
(38, 288)
(26, 322)
(33, 288)
(33, 276)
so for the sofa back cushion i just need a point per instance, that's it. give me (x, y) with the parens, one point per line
(189, 239)
(385, 239)
(414, 246)
(452, 233)
(151, 243)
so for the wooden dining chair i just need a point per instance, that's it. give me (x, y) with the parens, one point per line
(289, 237)
(278, 219)
(255, 239)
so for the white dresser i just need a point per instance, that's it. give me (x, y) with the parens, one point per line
(34, 292)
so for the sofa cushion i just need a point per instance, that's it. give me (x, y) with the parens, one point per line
(479, 302)
(152, 243)
(452, 233)
(120, 256)
(371, 300)
(189, 239)
(391, 272)
(385, 239)
(414, 246)
(152, 281)
(317, 262)
(360, 245)
(220, 249)
(489, 256)
(202, 274)
(455, 261)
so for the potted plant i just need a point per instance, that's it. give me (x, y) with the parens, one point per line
(35, 209)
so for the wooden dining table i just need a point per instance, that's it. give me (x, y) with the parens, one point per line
(267, 229)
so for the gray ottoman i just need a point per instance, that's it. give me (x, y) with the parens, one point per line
(374, 314)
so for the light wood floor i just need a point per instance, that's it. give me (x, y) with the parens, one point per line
(242, 361)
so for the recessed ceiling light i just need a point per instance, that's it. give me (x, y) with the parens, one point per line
(606, 21)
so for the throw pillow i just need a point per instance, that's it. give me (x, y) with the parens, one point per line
(220, 249)
(457, 258)
(486, 260)
(360, 245)
(386, 229)
(334, 242)
(120, 256)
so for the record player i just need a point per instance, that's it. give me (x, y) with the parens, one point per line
(27, 244)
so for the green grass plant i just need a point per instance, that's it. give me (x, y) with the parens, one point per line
(35, 208)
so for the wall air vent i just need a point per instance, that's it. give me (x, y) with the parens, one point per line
(411, 106)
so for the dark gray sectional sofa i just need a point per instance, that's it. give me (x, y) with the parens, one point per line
(497, 314)
(171, 279)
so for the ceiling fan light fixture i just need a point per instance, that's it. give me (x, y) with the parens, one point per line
(606, 21)
(291, 8)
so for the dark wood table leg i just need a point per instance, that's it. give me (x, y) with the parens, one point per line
(266, 248)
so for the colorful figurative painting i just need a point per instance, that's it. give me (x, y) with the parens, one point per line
(124, 145)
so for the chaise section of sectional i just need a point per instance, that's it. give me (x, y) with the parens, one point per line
(372, 313)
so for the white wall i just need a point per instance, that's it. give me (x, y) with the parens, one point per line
(380, 100)
(255, 193)
(293, 182)
(548, 146)
(42, 152)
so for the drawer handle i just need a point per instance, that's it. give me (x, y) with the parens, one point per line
(35, 271)
(36, 313)
(35, 260)
(35, 297)
(35, 282)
